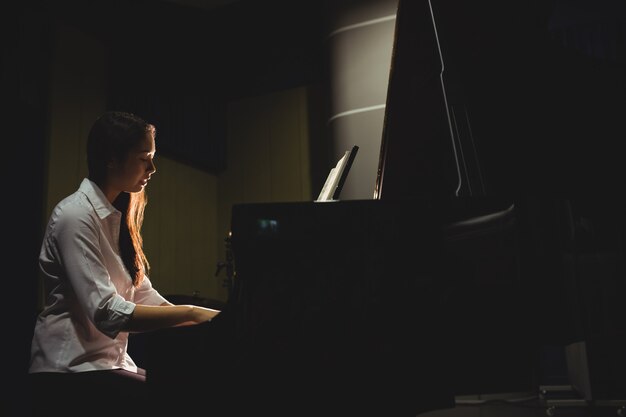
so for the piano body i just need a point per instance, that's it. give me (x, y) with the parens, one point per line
(335, 309)
(349, 308)
(442, 283)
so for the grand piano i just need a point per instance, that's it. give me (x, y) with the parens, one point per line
(334, 309)
(442, 283)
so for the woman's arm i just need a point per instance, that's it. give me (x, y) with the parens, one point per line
(147, 318)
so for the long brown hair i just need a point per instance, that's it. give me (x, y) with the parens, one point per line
(132, 206)
(112, 137)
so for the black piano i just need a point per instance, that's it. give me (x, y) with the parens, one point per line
(464, 264)
(335, 308)
(350, 308)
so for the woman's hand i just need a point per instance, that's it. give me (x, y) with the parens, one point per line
(146, 318)
(202, 314)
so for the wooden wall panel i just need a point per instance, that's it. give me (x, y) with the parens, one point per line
(268, 154)
(180, 229)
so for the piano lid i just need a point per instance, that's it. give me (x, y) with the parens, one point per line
(468, 100)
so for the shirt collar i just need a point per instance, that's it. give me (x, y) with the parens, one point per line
(97, 198)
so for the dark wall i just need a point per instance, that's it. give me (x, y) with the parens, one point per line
(243, 49)
(23, 68)
(179, 67)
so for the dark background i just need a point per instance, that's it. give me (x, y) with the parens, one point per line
(160, 65)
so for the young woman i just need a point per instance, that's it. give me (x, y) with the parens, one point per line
(96, 279)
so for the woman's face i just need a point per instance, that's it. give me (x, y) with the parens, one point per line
(132, 175)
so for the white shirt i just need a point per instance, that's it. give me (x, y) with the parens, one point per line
(90, 293)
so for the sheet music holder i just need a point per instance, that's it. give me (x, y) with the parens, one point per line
(337, 176)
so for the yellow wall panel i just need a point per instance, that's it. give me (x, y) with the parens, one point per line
(180, 229)
(268, 154)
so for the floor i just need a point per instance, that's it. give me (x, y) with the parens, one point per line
(552, 401)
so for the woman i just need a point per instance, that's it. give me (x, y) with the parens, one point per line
(96, 278)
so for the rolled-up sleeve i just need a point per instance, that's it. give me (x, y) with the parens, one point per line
(113, 315)
(78, 246)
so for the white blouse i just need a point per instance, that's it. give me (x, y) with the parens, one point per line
(90, 295)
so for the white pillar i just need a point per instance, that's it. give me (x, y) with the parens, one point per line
(360, 41)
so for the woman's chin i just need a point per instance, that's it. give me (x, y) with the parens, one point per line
(137, 188)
